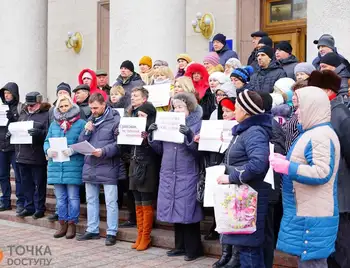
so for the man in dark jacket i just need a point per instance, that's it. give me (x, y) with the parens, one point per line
(220, 47)
(102, 81)
(82, 94)
(256, 36)
(286, 58)
(268, 73)
(128, 79)
(9, 95)
(102, 167)
(31, 158)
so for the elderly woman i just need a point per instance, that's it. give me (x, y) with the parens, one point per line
(66, 176)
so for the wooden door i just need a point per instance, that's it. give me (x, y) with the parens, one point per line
(297, 41)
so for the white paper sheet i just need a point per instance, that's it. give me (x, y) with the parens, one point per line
(227, 134)
(168, 127)
(19, 132)
(84, 148)
(120, 111)
(212, 173)
(159, 94)
(269, 175)
(3, 117)
(130, 129)
(58, 145)
(210, 135)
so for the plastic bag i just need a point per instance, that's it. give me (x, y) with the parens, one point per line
(235, 209)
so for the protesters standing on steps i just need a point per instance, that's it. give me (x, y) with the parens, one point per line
(88, 77)
(182, 61)
(285, 57)
(256, 36)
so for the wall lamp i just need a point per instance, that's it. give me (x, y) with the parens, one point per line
(204, 24)
(75, 41)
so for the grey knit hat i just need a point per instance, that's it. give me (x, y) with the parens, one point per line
(228, 88)
(304, 67)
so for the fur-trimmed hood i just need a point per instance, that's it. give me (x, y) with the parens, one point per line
(188, 98)
(72, 112)
(202, 85)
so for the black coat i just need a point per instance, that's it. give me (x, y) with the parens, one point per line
(252, 61)
(208, 104)
(288, 65)
(15, 107)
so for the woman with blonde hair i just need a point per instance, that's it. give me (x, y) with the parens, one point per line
(162, 75)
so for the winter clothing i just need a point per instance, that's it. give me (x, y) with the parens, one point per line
(344, 74)
(310, 208)
(252, 60)
(128, 65)
(325, 79)
(267, 41)
(64, 86)
(259, 34)
(146, 60)
(85, 109)
(202, 85)
(147, 224)
(128, 84)
(331, 59)
(228, 88)
(316, 61)
(220, 37)
(208, 104)
(250, 102)
(288, 65)
(229, 103)
(325, 40)
(33, 98)
(243, 74)
(284, 46)
(267, 50)
(225, 54)
(304, 67)
(104, 169)
(185, 57)
(284, 86)
(234, 63)
(93, 85)
(220, 77)
(212, 58)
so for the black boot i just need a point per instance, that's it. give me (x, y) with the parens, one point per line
(225, 256)
(234, 261)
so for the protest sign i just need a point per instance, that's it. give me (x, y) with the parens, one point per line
(159, 95)
(168, 127)
(130, 129)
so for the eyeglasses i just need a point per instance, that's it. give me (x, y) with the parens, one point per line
(221, 95)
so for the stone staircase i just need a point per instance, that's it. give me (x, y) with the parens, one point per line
(162, 235)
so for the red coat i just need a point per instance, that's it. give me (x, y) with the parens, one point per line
(93, 86)
(202, 85)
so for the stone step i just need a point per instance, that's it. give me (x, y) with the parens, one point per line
(160, 237)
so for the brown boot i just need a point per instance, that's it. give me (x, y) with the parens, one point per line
(139, 221)
(61, 232)
(147, 228)
(71, 230)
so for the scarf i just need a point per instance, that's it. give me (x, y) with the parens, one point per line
(99, 120)
(332, 96)
(67, 124)
(65, 120)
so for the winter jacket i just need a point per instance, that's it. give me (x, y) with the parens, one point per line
(85, 108)
(248, 155)
(252, 60)
(133, 81)
(93, 86)
(288, 65)
(15, 107)
(66, 172)
(225, 54)
(202, 85)
(340, 120)
(264, 79)
(104, 169)
(208, 104)
(309, 193)
(33, 154)
(106, 88)
(179, 174)
(53, 107)
(317, 61)
(344, 73)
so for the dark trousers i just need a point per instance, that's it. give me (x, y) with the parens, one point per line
(144, 199)
(188, 238)
(123, 187)
(34, 180)
(6, 160)
(251, 257)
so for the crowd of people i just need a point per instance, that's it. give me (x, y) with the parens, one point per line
(302, 108)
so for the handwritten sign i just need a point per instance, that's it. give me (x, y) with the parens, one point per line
(130, 129)
(168, 127)
(159, 94)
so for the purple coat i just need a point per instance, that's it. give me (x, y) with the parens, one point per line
(104, 169)
(179, 173)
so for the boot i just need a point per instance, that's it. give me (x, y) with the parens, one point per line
(61, 232)
(234, 261)
(71, 230)
(147, 228)
(225, 256)
(139, 220)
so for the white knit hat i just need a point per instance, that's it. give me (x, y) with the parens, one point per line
(228, 88)
(219, 76)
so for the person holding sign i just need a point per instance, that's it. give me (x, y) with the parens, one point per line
(65, 176)
(179, 174)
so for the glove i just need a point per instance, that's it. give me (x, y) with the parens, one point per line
(280, 165)
(35, 132)
(51, 153)
(8, 135)
(68, 152)
(144, 135)
(10, 116)
(152, 127)
(186, 131)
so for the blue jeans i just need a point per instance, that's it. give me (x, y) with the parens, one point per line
(6, 160)
(251, 257)
(93, 207)
(68, 202)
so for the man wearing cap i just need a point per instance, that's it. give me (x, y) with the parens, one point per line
(88, 77)
(31, 157)
(285, 57)
(128, 79)
(82, 94)
(102, 81)
(256, 36)
(268, 73)
(220, 47)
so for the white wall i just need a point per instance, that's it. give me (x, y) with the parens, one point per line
(331, 17)
(63, 64)
(224, 12)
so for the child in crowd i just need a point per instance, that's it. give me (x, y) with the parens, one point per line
(116, 99)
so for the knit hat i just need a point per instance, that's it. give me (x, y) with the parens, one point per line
(228, 103)
(228, 88)
(284, 46)
(87, 75)
(212, 58)
(331, 59)
(304, 67)
(267, 50)
(128, 65)
(259, 34)
(326, 79)
(325, 40)
(82, 87)
(145, 60)
(185, 57)
(160, 63)
(221, 38)
(151, 112)
(251, 102)
(243, 74)
(267, 101)
(219, 76)
(234, 63)
(267, 41)
(64, 86)
(284, 87)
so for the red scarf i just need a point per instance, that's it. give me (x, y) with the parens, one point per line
(332, 96)
(67, 124)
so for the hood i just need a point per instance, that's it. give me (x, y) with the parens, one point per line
(94, 79)
(314, 107)
(133, 77)
(289, 60)
(73, 112)
(195, 116)
(262, 120)
(13, 88)
(202, 85)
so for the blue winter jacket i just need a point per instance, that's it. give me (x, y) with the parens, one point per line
(225, 54)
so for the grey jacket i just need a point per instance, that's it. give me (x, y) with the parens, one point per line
(343, 72)
(288, 65)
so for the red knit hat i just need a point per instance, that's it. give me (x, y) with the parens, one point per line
(228, 104)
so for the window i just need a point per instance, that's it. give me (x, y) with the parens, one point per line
(286, 10)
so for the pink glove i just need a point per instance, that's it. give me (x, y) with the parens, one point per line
(280, 165)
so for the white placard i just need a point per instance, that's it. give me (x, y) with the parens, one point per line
(227, 134)
(130, 129)
(168, 127)
(210, 135)
(3, 117)
(19, 132)
(212, 173)
(58, 145)
(84, 148)
(159, 94)
(121, 111)
(269, 178)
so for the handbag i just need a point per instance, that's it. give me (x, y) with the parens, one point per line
(138, 172)
(201, 180)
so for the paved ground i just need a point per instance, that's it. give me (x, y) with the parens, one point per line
(23, 244)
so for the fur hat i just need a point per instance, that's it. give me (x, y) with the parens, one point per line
(146, 60)
(326, 79)
(188, 98)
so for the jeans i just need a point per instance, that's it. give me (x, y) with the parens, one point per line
(251, 257)
(68, 202)
(93, 207)
(7, 159)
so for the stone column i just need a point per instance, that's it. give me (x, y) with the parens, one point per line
(155, 28)
(23, 44)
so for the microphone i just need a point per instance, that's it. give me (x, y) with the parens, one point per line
(88, 132)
